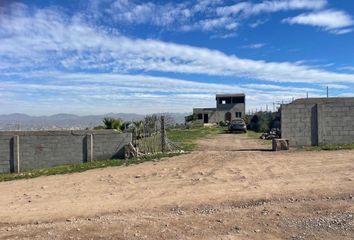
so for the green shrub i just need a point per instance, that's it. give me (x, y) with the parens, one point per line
(263, 121)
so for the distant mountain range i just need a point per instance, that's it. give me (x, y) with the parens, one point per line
(19, 121)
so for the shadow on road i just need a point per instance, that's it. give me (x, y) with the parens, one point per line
(253, 150)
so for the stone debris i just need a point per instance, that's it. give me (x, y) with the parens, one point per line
(272, 134)
(330, 222)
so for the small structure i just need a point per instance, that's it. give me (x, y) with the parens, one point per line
(228, 107)
(280, 144)
(318, 121)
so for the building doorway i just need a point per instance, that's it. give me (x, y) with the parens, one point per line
(227, 117)
(206, 118)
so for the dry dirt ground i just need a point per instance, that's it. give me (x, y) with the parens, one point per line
(230, 188)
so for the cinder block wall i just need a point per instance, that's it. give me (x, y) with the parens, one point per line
(6, 153)
(336, 125)
(296, 124)
(42, 149)
(321, 121)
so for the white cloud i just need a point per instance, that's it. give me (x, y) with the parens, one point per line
(223, 36)
(258, 23)
(341, 31)
(271, 87)
(247, 8)
(48, 39)
(347, 68)
(40, 48)
(334, 21)
(66, 92)
(148, 12)
(254, 45)
(215, 23)
(335, 86)
(205, 15)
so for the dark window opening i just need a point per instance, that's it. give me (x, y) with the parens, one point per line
(238, 99)
(206, 118)
(200, 116)
(229, 100)
(238, 114)
(226, 100)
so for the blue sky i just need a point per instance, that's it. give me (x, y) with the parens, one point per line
(94, 57)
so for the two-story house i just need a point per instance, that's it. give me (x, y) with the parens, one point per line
(228, 107)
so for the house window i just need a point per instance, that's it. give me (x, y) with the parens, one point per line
(238, 114)
(226, 100)
(200, 116)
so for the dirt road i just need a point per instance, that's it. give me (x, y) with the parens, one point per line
(230, 188)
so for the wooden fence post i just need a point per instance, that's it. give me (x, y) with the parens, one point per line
(163, 141)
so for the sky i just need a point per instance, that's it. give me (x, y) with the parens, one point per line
(100, 56)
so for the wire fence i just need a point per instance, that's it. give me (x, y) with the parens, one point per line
(149, 136)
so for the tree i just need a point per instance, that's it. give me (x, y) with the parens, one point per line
(113, 123)
(247, 120)
(138, 128)
(254, 124)
(99, 127)
(264, 121)
(190, 118)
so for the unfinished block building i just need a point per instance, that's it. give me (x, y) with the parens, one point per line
(318, 121)
(228, 107)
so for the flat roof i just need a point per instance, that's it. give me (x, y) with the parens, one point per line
(230, 95)
(323, 100)
(205, 109)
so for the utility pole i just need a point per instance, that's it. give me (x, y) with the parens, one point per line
(307, 94)
(327, 91)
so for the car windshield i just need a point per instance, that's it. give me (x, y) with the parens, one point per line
(237, 121)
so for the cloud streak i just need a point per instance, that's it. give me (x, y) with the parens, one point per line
(205, 15)
(48, 39)
(53, 91)
(60, 62)
(247, 8)
(333, 21)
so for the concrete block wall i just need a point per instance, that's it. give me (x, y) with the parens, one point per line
(336, 125)
(47, 151)
(296, 124)
(42, 149)
(6, 153)
(106, 146)
(320, 121)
